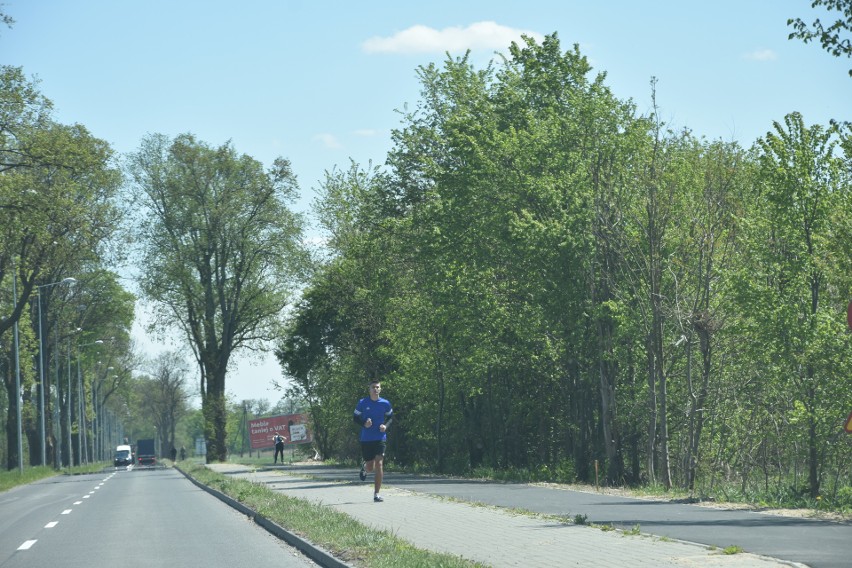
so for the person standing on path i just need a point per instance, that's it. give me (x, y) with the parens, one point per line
(279, 447)
(374, 414)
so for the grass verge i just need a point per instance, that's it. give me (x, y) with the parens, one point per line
(13, 478)
(340, 534)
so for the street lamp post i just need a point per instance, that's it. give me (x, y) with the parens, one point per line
(18, 377)
(57, 406)
(68, 280)
(82, 444)
(114, 430)
(82, 432)
(98, 437)
(95, 455)
(68, 409)
(68, 397)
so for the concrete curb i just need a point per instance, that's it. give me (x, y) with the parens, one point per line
(315, 553)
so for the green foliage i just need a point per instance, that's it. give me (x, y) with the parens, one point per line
(554, 287)
(788, 290)
(831, 36)
(58, 188)
(222, 253)
(163, 396)
(843, 500)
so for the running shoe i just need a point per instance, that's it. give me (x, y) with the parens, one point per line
(378, 498)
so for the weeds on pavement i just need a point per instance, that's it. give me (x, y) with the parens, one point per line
(334, 531)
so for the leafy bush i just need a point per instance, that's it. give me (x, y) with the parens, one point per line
(843, 500)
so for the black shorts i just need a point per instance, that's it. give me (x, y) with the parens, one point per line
(370, 450)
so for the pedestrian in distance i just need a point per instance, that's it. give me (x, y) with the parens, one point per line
(279, 447)
(374, 414)
(182, 453)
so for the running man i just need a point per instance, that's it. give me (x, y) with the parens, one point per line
(374, 414)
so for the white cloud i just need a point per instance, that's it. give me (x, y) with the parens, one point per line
(761, 55)
(328, 140)
(423, 39)
(367, 132)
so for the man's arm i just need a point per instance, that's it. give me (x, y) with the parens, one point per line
(358, 416)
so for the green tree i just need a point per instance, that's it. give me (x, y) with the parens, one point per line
(57, 212)
(791, 289)
(830, 37)
(547, 281)
(56, 191)
(319, 362)
(719, 176)
(6, 18)
(164, 396)
(222, 254)
(335, 341)
(97, 309)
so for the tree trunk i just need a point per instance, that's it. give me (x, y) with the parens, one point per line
(657, 375)
(213, 408)
(698, 401)
(813, 453)
(607, 366)
(607, 370)
(652, 413)
(215, 417)
(11, 418)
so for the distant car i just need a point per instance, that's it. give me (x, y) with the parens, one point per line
(123, 456)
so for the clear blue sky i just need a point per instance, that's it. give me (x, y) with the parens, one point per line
(319, 82)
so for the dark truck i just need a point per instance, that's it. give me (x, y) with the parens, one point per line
(145, 453)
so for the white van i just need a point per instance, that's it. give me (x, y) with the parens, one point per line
(123, 456)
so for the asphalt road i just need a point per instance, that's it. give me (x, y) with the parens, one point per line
(147, 518)
(818, 544)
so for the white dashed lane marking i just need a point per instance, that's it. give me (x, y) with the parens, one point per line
(29, 543)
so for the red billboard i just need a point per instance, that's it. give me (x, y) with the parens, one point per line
(294, 428)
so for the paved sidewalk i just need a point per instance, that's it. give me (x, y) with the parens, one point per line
(493, 536)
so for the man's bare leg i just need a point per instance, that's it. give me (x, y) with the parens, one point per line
(379, 467)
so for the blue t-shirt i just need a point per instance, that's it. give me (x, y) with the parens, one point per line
(379, 411)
